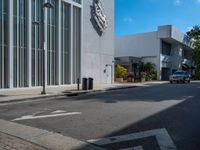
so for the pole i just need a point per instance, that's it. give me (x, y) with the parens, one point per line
(43, 54)
(78, 84)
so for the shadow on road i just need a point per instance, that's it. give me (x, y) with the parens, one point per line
(182, 121)
(147, 94)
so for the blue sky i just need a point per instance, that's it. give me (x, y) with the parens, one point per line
(138, 16)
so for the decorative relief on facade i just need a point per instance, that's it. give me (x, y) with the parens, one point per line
(99, 19)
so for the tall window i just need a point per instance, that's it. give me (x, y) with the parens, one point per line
(51, 44)
(4, 44)
(76, 43)
(166, 48)
(78, 1)
(37, 55)
(65, 49)
(20, 53)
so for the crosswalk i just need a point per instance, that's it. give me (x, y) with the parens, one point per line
(161, 136)
(133, 148)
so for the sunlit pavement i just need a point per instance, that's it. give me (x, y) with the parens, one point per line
(155, 117)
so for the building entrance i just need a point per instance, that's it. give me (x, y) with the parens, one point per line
(165, 74)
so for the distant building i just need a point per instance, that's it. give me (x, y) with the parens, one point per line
(167, 48)
(79, 42)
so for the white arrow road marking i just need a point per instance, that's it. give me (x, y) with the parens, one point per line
(133, 148)
(58, 112)
(164, 140)
(46, 116)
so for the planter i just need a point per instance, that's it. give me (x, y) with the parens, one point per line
(119, 80)
(130, 79)
(143, 80)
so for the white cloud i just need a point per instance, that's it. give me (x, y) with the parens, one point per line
(198, 1)
(177, 2)
(128, 20)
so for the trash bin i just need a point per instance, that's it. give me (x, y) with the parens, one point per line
(90, 83)
(84, 84)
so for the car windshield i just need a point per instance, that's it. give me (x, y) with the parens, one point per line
(179, 73)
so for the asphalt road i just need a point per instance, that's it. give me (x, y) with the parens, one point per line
(157, 117)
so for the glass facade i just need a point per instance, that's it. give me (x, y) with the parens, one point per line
(166, 48)
(20, 53)
(4, 44)
(66, 40)
(36, 54)
(77, 1)
(24, 48)
(52, 52)
(76, 43)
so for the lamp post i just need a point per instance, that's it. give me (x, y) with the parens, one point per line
(42, 23)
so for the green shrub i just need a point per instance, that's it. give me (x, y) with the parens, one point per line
(148, 72)
(154, 75)
(120, 71)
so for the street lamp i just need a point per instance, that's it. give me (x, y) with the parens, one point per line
(42, 23)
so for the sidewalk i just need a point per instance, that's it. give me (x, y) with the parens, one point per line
(14, 136)
(9, 142)
(11, 95)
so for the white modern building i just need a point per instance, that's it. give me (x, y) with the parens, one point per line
(78, 42)
(167, 48)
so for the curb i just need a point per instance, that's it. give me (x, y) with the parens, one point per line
(46, 139)
(68, 94)
(31, 98)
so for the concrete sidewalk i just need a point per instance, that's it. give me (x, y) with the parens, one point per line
(14, 136)
(11, 95)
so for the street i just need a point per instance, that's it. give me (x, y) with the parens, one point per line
(154, 117)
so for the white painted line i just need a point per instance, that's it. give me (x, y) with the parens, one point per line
(58, 112)
(133, 148)
(164, 140)
(46, 116)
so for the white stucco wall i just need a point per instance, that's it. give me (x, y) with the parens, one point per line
(97, 50)
(150, 44)
(180, 37)
(138, 45)
(169, 31)
(145, 45)
(152, 59)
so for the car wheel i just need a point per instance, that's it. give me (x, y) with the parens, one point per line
(188, 81)
(171, 82)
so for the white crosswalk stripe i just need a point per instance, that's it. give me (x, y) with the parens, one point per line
(29, 117)
(164, 140)
(133, 148)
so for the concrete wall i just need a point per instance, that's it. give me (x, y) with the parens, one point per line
(138, 45)
(150, 45)
(169, 31)
(145, 45)
(152, 59)
(98, 50)
(180, 37)
(164, 31)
